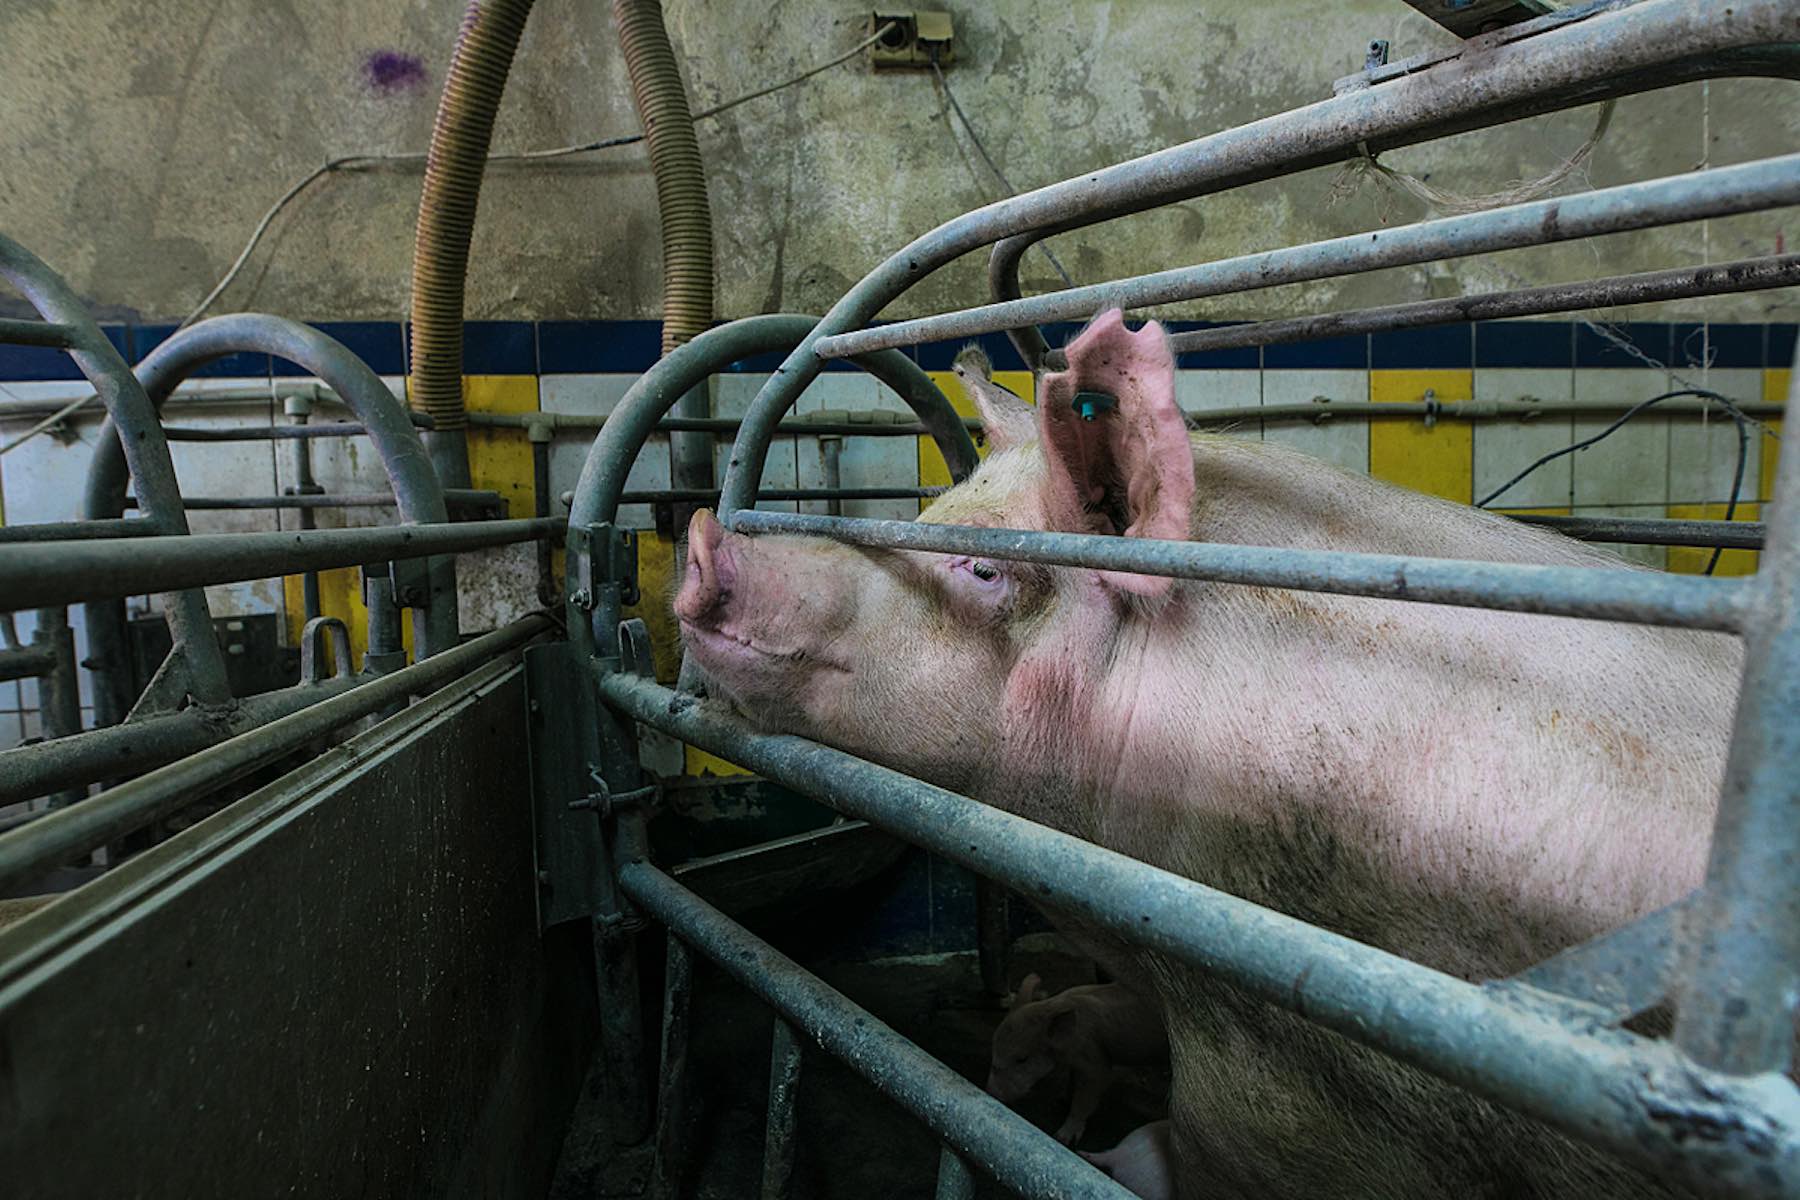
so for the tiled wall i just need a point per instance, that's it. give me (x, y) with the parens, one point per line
(1654, 467)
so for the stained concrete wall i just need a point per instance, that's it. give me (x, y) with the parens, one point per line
(143, 142)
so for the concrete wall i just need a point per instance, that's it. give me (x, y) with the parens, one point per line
(144, 143)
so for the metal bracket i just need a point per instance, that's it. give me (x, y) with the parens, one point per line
(1467, 18)
(167, 689)
(312, 640)
(603, 800)
(563, 715)
(412, 582)
(604, 554)
(1625, 972)
(635, 654)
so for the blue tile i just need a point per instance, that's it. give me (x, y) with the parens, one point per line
(1525, 344)
(145, 338)
(499, 348)
(1782, 340)
(1727, 344)
(21, 364)
(380, 344)
(1435, 347)
(598, 347)
(1351, 352)
(1650, 338)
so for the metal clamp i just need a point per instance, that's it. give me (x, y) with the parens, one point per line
(412, 582)
(635, 654)
(604, 554)
(604, 801)
(312, 660)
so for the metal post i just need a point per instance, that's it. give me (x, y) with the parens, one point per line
(778, 1128)
(300, 408)
(1741, 975)
(59, 689)
(671, 1099)
(993, 936)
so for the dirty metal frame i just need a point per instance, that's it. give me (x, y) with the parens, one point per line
(1711, 1106)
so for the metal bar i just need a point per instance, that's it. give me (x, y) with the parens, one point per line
(59, 689)
(1655, 44)
(1694, 601)
(1651, 531)
(671, 1093)
(38, 574)
(18, 409)
(1020, 1156)
(114, 751)
(707, 495)
(62, 531)
(1319, 412)
(1640, 1099)
(37, 333)
(1745, 275)
(28, 852)
(458, 500)
(874, 423)
(642, 408)
(1624, 971)
(1746, 187)
(993, 936)
(134, 441)
(25, 662)
(1741, 963)
(264, 433)
(778, 1128)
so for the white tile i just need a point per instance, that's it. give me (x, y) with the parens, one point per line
(1631, 466)
(1342, 441)
(1201, 392)
(1505, 446)
(1703, 453)
(598, 395)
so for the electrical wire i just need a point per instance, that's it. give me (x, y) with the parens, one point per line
(1737, 478)
(358, 161)
(975, 139)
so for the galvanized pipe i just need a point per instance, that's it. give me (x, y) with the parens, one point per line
(37, 574)
(63, 531)
(1688, 601)
(778, 1124)
(670, 1156)
(25, 662)
(131, 748)
(1651, 531)
(456, 499)
(37, 333)
(1747, 187)
(1741, 966)
(1023, 1158)
(1638, 1098)
(1745, 275)
(417, 489)
(1655, 44)
(79, 829)
(137, 445)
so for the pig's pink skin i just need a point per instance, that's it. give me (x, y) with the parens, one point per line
(1474, 790)
(1142, 1162)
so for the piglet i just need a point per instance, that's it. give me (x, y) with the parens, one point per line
(1143, 1163)
(1091, 1031)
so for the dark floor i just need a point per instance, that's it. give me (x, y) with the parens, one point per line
(853, 1143)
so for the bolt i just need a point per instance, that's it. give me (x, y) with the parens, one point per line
(582, 598)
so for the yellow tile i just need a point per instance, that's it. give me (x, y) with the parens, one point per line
(500, 458)
(1439, 460)
(1775, 391)
(1548, 510)
(699, 762)
(933, 470)
(1692, 560)
(656, 585)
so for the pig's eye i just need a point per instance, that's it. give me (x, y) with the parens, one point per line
(985, 571)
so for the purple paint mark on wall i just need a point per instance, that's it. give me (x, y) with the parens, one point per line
(389, 71)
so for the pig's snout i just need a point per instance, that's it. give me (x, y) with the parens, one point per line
(707, 583)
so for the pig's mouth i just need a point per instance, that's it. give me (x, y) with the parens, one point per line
(703, 606)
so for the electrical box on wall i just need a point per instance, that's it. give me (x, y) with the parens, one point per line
(911, 39)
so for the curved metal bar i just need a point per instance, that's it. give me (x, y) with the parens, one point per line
(417, 491)
(631, 423)
(602, 483)
(1650, 45)
(138, 444)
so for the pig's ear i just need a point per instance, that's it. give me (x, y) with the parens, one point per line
(1006, 420)
(1027, 991)
(1115, 443)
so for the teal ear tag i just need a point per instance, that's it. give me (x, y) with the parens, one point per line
(1089, 405)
